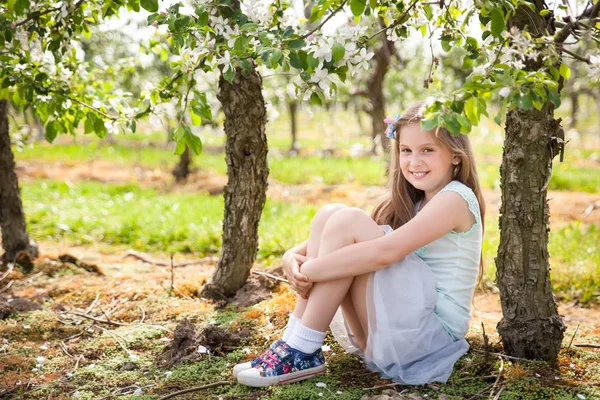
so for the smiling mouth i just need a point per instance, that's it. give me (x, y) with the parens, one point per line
(419, 174)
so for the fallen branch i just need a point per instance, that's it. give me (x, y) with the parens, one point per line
(91, 307)
(7, 286)
(102, 321)
(382, 386)
(8, 271)
(117, 340)
(64, 349)
(497, 396)
(195, 389)
(143, 315)
(270, 276)
(573, 337)
(501, 355)
(593, 346)
(149, 260)
(500, 371)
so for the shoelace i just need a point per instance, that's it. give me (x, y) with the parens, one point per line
(268, 355)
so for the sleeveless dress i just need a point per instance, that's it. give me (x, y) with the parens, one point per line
(419, 307)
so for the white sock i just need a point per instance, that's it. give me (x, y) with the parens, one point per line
(289, 328)
(305, 339)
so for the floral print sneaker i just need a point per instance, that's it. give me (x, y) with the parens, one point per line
(283, 364)
(251, 364)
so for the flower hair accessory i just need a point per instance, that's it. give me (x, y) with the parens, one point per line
(390, 131)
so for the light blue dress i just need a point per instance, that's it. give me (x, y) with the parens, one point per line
(419, 307)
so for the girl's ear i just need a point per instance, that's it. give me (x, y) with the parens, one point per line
(456, 160)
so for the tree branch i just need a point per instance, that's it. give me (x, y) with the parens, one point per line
(37, 14)
(404, 14)
(565, 32)
(325, 21)
(574, 55)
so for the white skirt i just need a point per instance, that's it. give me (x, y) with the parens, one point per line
(406, 341)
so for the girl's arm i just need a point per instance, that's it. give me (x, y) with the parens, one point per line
(299, 248)
(443, 213)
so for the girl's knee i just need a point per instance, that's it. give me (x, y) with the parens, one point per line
(323, 215)
(349, 219)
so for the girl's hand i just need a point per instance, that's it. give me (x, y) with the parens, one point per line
(291, 266)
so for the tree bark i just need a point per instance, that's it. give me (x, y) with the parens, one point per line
(12, 217)
(382, 57)
(293, 107)
(531, 326)
(247, 170)
(574, 108)
(182, 169)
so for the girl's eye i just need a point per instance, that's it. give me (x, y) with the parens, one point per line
(405, 151)
(427, 150)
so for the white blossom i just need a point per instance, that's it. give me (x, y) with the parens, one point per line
(257, 10)
(113, 128)
(226, 60)
(322, 77)
(231, 35)
(290, 18)
(321, 384)
(504, 92)
(323, 50)
(361, 60)
(218, 24)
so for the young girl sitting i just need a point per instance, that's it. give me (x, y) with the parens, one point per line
(403, 277)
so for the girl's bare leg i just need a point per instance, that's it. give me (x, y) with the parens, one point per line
(343, 228)
(314, 240)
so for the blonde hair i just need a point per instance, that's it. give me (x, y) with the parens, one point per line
(399, 206)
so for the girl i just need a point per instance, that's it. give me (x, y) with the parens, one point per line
(403, 277)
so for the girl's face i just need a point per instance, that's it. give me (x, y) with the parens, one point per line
(424, 162)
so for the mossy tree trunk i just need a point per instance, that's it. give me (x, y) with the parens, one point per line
(531, 326)
(12, 217)
(247, 171)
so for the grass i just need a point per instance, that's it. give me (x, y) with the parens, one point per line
(143, 219)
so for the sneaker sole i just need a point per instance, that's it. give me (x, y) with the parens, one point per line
(281, 379)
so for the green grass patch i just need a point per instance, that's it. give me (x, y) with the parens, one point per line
(91, 212)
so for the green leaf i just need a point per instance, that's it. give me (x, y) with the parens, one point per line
(430, 124)
(179, 147)
(498, 119)
(248, 27)
(295, 61)
(88, 126)
(246, 65)
(498, 24)
(229, 75)
(311, 61)
(525, 101)
(296, 44)
(452, 124)
(338, 52)
(554, 98)
(565, 71)
(99, 128)
(196, 119)
(202, 20)
(358, 7)
(193, 141)
(276, 56)
(543, 13)
(51, 131)
(471, 110)
(149, 5)
(133, 126)
(201, 106)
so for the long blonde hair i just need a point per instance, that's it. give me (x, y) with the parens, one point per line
(399, 206)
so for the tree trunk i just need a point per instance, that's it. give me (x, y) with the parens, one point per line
(12, 218)
(375, 93)
(182, 169)
(293, 106)
(531, 326)
(574, 108)
(247, 171)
